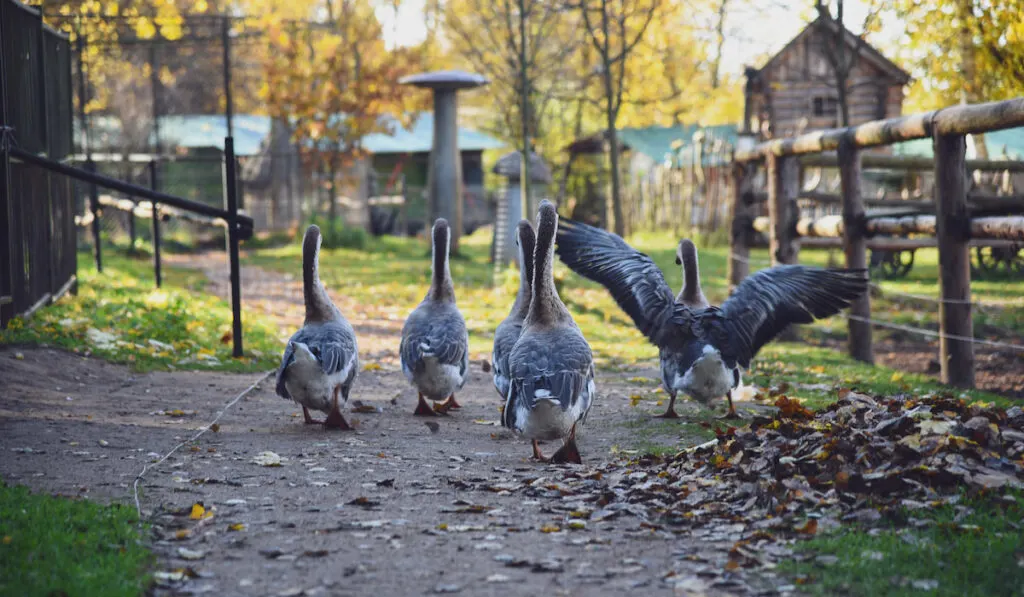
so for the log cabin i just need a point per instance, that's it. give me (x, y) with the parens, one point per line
(795, 91)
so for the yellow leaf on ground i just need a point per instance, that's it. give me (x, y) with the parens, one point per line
(238, 526)
(197, 511)
(371, 367)
(550, 528)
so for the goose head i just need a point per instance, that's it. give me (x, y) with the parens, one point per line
(526, 241)
(691, 294)
(546, 308)
(441, 286)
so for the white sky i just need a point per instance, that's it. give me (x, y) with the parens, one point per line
(754, 29)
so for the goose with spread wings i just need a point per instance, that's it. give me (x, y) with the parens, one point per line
(703, 349)
(321, 360)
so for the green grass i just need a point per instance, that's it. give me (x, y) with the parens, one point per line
(53, 546)
(177, 327)
(980, 554)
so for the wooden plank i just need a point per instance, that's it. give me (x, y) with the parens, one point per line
(855, 248)
(961, 120)
(956, 355)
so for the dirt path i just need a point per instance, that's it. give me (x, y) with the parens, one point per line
(398, 507)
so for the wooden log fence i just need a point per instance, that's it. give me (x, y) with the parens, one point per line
(951, 223)
(1009, 228)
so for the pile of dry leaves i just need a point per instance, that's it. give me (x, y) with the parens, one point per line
(854, 460)
(860, 460)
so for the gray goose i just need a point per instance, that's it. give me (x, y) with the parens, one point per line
(702, 349)
(435, 344)
(551, 368)
(508, 331)
(321, 360)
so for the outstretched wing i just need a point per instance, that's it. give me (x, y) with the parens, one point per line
(632, 278)
(769, 300)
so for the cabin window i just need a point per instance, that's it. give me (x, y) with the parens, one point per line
(825, 106)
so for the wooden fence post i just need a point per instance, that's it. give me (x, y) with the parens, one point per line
(783, 188)
(953, 231)
(854, 245)
(739, 250)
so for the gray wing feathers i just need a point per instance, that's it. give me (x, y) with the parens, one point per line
(333, 343)
(286, 359)
(441, 335)
(632, 278)
(767, 302)
(554, 367)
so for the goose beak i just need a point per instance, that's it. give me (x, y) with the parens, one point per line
(678, 260)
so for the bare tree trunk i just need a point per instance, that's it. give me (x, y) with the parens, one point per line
(613, 147)
(716, 64)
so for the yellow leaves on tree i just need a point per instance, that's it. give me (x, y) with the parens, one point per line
(336, 83)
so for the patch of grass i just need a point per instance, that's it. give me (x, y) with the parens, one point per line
(57, 546)
(974, 551)
(121, 316)
(815, 374)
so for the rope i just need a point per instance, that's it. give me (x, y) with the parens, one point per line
(145, 469)
(924, 332)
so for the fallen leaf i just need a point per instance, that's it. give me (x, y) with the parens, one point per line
(197, 511)
(809, 528)
(238, 526)
(268, 458)
(550, 528)
(371, 367)
(190, 554)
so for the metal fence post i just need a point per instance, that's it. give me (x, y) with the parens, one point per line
(94, 207)
(6, 206)
(156, 225)
(231, 198)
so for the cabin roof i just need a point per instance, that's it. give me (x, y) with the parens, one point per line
(869, 52)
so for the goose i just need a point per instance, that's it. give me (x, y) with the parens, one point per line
(435, 344)
(551, 367)
(690, 294)
(320, 360)
(702, 349)
(508, 331)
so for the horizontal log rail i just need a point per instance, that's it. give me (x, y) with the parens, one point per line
(889, 243)
(906, 162)
(955, 120)
(976, 201)
(1010, 228)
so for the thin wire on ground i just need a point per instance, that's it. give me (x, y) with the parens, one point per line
(204, 429)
